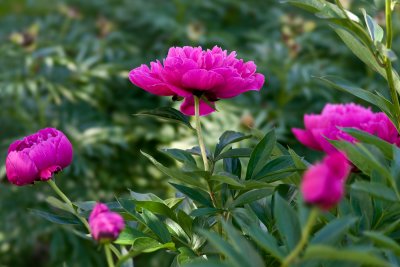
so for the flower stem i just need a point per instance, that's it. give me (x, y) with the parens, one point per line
(107, 250)
(305, 233)
(60, 193)
(202, 146)
(388, 63)
(199, 132)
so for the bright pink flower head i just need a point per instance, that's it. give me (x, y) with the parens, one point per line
(38, 156)
(187, 71)
(323, 183)
(325, 125)
(105, 225)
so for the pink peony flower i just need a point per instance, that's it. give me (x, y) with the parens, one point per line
(187, 71)
(323, 183)
(38, 156)
(105, 225)
(325, 125)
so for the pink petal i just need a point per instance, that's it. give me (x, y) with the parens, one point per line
(188, 106)
(142, 78)
(20, 169)
(306, 138)
(201, 79)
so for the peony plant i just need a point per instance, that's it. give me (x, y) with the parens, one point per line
(238, 204)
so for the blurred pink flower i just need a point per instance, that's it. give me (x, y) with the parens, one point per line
(187, 71)
(105, 225)
(325, 125)
(323, 183)
(38, 156)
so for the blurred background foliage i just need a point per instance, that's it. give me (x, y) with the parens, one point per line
(65, 64)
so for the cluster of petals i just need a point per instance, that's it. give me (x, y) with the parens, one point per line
(320, 127)
(105, 225)
(38, 156)
(191, 71)
(323, 184)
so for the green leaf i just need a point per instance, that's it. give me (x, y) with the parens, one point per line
(236, 258)
(173, 203)
(379, 101)
(334, 231)
(376, 189)
(56, 203)
(55, 218)
(265, 240)
(227, 178)
(233, 166)
(227, 138)
(375, 31)
(194, 194)
(169, 114)
(251, 196)
(363, 158)
(235, 153)
(180, 155)
(364, 137)
(156, 207)
(156, 226)
(383, 241)
(145, 197)
(260, 154)
(128, 236)
(287, 222)
(242, 245)
(204, 212)
(276, 169)
(322, 252)
(176, 174)
(148, 245)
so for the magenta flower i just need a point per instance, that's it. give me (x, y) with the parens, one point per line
(325, 125)
(187, 71)
(38, 156)
(105, 225)
(323, 183)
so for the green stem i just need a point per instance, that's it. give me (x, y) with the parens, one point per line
(58, 191)
(305, 233)
(388, 63)
(199, 133)
(107, 250)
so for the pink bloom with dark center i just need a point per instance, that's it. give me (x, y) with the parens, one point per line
(323, 183)
(191, 71)
(318, 127)
(38, 156)
(105, 225)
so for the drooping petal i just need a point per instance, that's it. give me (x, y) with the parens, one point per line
(306, 138)
(187, 107)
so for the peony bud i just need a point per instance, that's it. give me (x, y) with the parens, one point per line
(105, 225)
(38, 156)
(323, 183)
